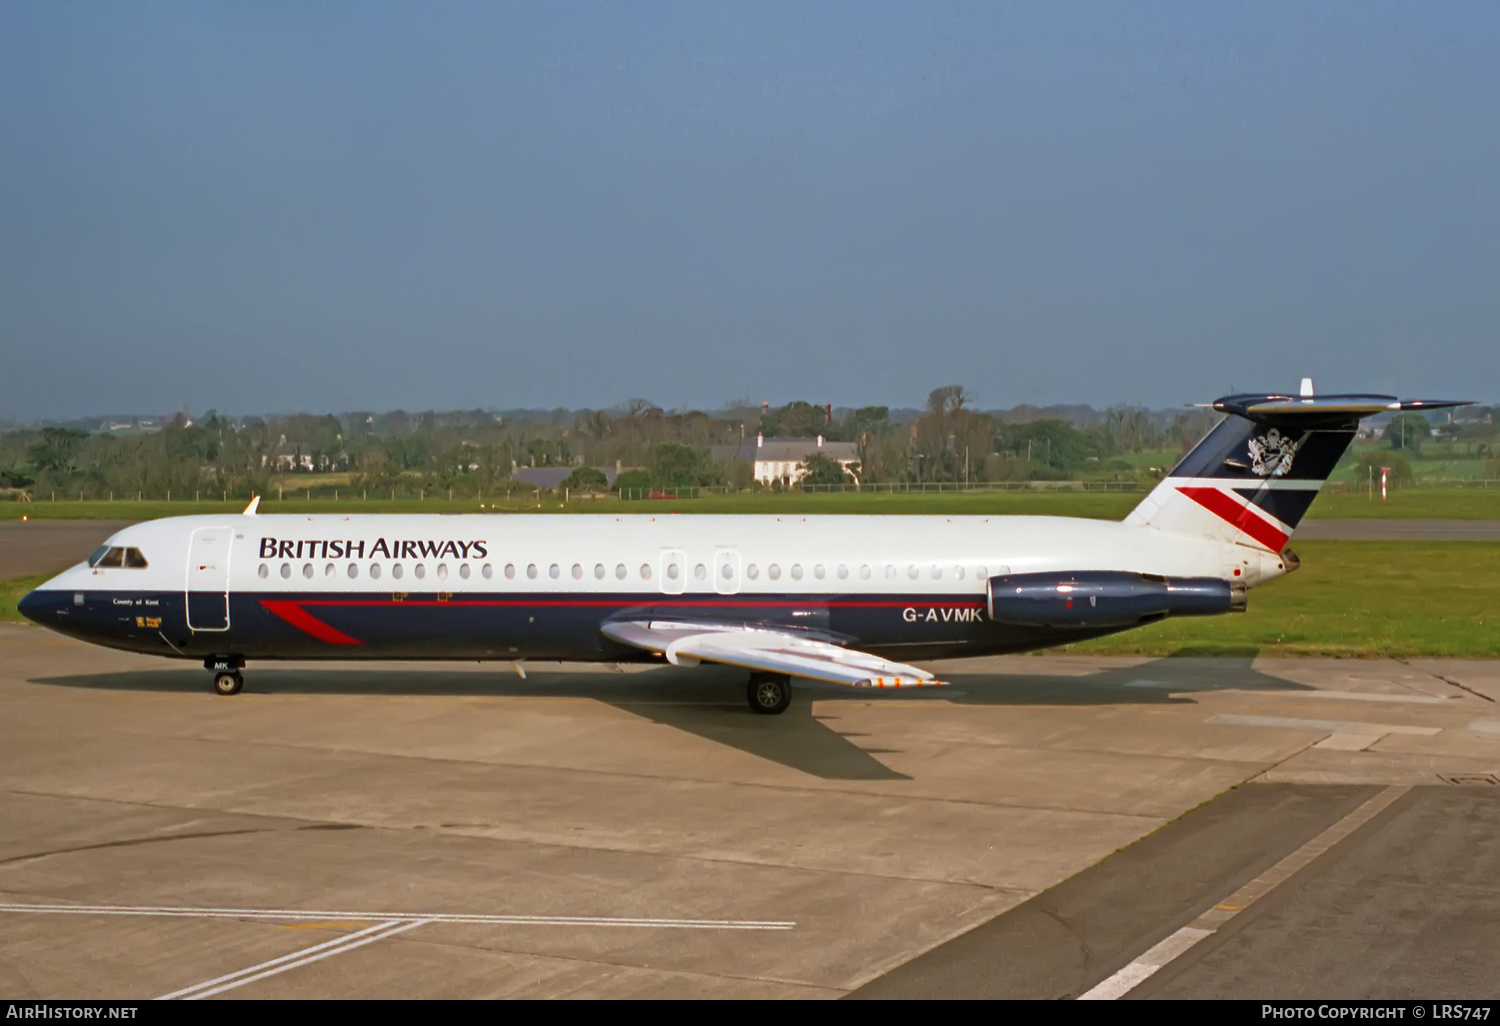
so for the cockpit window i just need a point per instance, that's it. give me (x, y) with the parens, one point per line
(110, 557)
(115, 556)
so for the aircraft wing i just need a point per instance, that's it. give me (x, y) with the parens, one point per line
(769, 651)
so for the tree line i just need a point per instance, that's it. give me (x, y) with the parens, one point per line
(476, 452)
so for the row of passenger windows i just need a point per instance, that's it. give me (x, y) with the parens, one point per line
(621, 572)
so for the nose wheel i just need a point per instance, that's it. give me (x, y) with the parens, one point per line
(228, 683)
(769, 694)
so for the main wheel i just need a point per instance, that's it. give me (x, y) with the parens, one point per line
(228, 683)
(769, 694)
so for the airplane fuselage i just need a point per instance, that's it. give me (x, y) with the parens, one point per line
(495, 587)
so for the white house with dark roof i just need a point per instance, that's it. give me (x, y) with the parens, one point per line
(783, 459)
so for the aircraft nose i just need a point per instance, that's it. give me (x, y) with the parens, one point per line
(34, 604)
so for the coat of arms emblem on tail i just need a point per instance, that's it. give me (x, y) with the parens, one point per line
(1271, 454)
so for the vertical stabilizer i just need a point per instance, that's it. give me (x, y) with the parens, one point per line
(1253, 477)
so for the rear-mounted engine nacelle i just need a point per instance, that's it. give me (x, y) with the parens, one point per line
(1107, 598)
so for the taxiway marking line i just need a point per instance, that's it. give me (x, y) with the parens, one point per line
(1179, 943)
(472, 919)
(327, 948)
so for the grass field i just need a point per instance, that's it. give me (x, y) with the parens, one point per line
(1455, 503)
(1351, 598)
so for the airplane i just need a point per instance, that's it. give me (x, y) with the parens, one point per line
(852, 600)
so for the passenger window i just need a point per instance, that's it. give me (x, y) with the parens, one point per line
(353, 571)
(442, 571)
(510, 570)
(396, 571)
(328, 571)
(700, 571)
(554, 571)
(890, 572)
(773, 572)
(672, 571)
(264, 571)
(488, 571)
(620, 572)
(531, 570)
(286, 570)
(958, 572)
(864, 571)
(645, 571)
(598, 571)
(463, 571)
(819, 572)
(307, 570)
(844, 572)
(134, 559)
(577, 572)
(375, 570)
(752, 571)
(912, 571)
(796, 571)
(937, 572)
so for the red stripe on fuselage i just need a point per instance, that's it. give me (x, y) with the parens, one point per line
(1238, 515)
(654, 600)
(301, 619)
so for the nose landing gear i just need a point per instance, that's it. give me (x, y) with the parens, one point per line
(227, 677)
(769, 693)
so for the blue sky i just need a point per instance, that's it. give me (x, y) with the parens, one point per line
(296, 206)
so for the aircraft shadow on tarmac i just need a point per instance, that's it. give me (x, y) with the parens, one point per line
(708, 701)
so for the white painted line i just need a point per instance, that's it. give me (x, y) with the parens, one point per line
(1134, 974)
(1326, 726)
(477, 919)
(337, 942)
(1485, 726)
(391, 932)
(1370, 696)
(1178, 943)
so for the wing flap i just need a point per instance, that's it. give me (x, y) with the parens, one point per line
(768, 651)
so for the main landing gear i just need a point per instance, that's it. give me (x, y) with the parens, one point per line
(228, 680)
(769, 693)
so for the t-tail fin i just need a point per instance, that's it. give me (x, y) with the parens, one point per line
(1252, 478)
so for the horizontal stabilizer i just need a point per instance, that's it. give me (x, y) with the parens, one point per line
(1268, 406)
(767, 651)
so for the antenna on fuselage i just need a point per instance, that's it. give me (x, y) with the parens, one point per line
(250, 509)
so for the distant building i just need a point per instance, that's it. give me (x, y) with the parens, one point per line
(782, 459)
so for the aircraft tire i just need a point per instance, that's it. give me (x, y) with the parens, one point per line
(228, 683)
(769, 694)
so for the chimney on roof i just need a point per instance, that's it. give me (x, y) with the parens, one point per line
(760, 439)
(828, 413)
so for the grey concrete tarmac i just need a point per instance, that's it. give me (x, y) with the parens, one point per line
(30, 547)
(628, 820)
(1408, 908)
(1400, 530)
